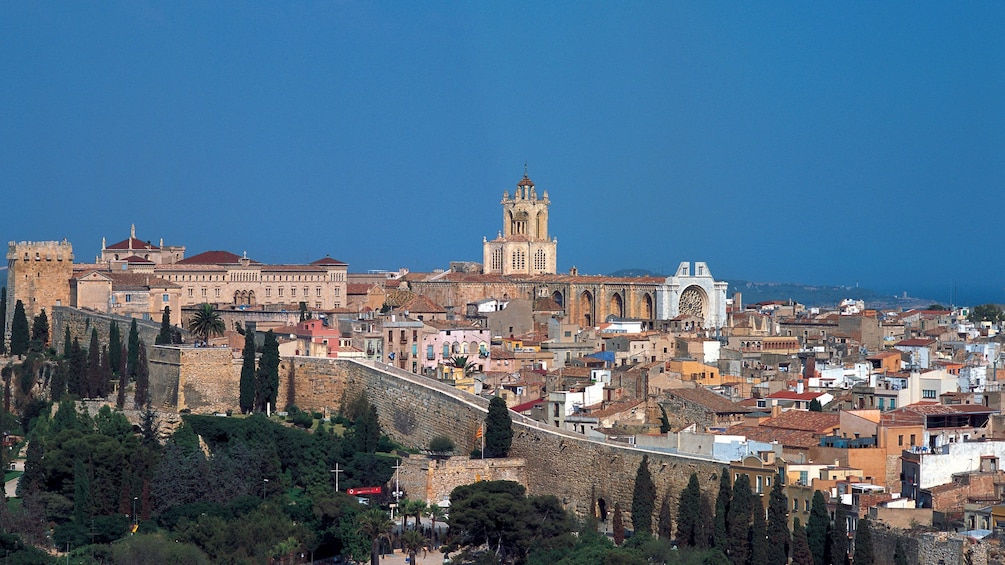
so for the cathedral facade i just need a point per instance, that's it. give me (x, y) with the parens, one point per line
(523, 247)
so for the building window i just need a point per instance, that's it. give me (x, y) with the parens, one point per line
(497, 259)
(203, 292)
(900, 439)
(129, 298)
(317, 305)
(927, 393)
(268, 292)
(293, 291)
(760, 484)
(280, 291)
(912, 439)
(216, 292)
(446, 350)
(165, 298)
(190, 293)
(540, 260)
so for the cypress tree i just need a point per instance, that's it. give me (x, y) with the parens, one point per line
(498, 429)
(57, 387)
(839, 537)
(19, 336)
(291, 386)
(816, 528)
(664, 526)
(93, 366)
(164, 337)
(267, 379)
(863, 544)
(66, 342)
(39, 332)
(141, 393)
(703, 533)
(721, 508)
(778, 524)
(618, 525)
(3, 320)
(759, 554)
(106, 371)
(81, 493)
(76, 381)
(120, 396)
(688, 512)
(133, 352)
(801, 554)
(246, 398)
(643, 499)
(115, 347)
(738, 522)
(900, 553)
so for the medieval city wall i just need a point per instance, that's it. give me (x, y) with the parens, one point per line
(81, 321)
(414, 409)
(201, 379)
(38, 274)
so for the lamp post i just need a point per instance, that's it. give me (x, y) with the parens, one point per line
(264, 483)
(135, 498)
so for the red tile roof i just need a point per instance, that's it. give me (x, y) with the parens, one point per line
(918, 342)
(212, 258)
(136, 259)
(817, 422)
(326, 260)
(792, 395)
(132, 243)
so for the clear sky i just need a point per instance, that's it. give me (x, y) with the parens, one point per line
(822, 143)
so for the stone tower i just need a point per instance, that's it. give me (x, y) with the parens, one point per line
(523, 246)
(38, 274)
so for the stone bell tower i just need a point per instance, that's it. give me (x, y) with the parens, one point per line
(523, 246)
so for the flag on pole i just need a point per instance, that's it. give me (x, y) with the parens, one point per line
(478, 434)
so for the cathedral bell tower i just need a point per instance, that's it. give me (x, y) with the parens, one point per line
(523, 246)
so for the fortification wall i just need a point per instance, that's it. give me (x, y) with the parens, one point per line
(81, 321)
(432, 480)
(39, 276)
(413, 409)
(200, 379)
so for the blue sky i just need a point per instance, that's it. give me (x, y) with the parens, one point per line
(823, 143)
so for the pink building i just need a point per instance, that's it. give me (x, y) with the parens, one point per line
(451, 339)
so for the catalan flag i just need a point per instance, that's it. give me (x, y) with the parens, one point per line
(478, 434)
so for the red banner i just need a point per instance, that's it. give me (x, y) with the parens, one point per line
(364, 490)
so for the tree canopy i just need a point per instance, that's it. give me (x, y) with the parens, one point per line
(643, 499)
(19, 333)
(206, 322)
(498, 429)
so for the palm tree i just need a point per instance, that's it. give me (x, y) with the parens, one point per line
(435, 513)
(419, 508)
(412, 542)
(206, 322)
(406, 507)
(374, 524)
(461, 362)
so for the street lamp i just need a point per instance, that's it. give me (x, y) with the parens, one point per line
(264, 482)
(135, 498)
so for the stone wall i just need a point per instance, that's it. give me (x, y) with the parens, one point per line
(200, 379)
(432, 480)
(414, 409)
(81, 321)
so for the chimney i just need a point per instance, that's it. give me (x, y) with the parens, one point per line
(776, 411)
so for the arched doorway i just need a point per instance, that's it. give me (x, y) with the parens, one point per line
(558, 298)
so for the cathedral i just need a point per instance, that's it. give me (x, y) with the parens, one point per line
(523, 247)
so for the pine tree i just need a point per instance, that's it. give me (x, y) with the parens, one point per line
(801, 554)
(816, 528)
(267, 378)
(133, 352)
(498, 429)
(815, 406)
(643, 499)
(246, 399)
(618, 525)
(165, 335)
(721, 508)
(115, 347)
(141, 394)
(3, 320)
(93, 366)
(863, 544)
(19, 333)
(664, 526)
(688, 512)
(67, 342)
(39, 332)
(759, 554)
(738, 522)
(839, 537)
(778, 524)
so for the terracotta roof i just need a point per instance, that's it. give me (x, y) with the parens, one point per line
(526, 406)
(212, 258)
(818, 422)
(792, 395)
(137, 281)
(547, 305)
(357, 288)
(136, 259)
(704, 397)
(419, 303)
(799, 439)
(936, 408)
(133, 243)
(326, 260)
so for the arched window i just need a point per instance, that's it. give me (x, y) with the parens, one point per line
(540, 260)
(446, 350)
(497, 259)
